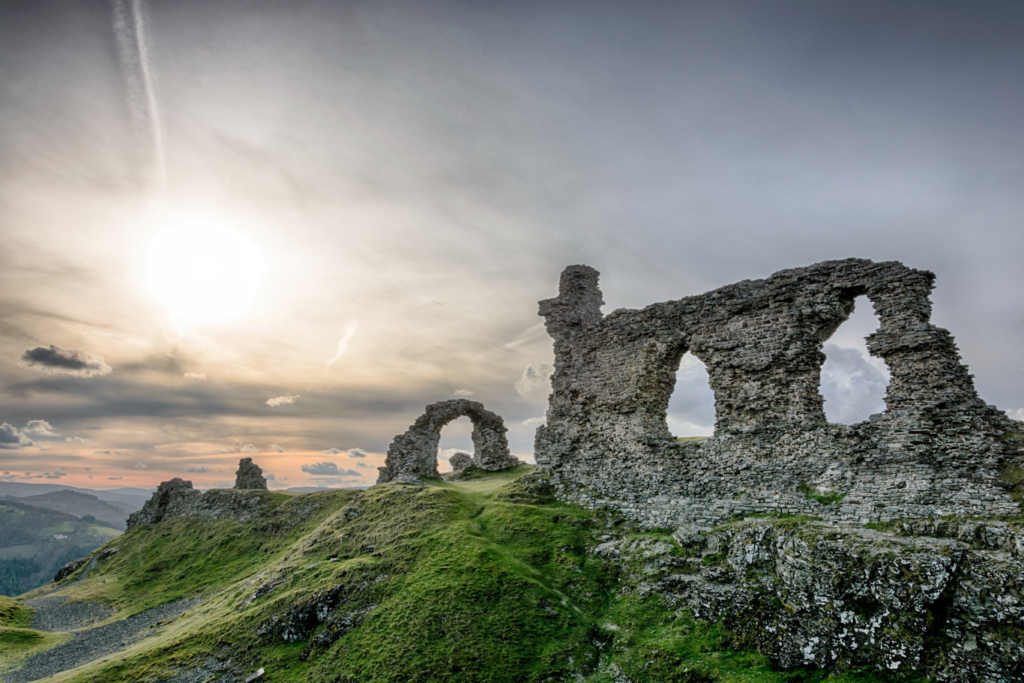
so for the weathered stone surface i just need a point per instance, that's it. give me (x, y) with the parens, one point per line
(842, 597)
(414, 453)
(460, 461)
(177, 498)
(249, 476)
(936, 450)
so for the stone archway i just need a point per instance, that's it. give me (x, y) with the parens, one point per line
(414, 453)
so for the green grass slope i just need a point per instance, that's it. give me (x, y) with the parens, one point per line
(478, 581)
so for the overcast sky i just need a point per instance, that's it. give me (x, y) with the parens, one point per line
(411, 177)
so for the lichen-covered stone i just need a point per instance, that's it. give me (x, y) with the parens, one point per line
(460, 461)
(937, 449)
(249, 476)
(414, 454)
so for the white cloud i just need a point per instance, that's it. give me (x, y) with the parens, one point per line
(534, 422)
(195, 376)
(41, 429)
(535, 381)
(44, 431)
(1016, 414)
(275, 447)
(447, 453)
(240, 447)
(463, 393)
(285, 400)
(141, 466)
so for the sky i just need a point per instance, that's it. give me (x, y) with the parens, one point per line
(280, 229)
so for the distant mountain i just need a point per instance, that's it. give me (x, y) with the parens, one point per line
(126, 499)
(80, 504)
(35, 542)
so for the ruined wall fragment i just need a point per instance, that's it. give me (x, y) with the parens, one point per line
(937, 449)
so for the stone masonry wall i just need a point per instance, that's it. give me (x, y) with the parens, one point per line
(937, 449)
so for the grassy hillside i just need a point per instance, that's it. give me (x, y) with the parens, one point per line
(35, 542)
(483, 580)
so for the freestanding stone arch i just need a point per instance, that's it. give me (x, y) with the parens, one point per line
(414, 453)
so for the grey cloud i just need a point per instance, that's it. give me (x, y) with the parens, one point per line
(535, 381)
(60, 361)
(364, 466)
(76, 439)
(356, 453)
(11, 438)
(322, 468)
(199, 470)
(275, 447)
(853, 388)
(332, 451)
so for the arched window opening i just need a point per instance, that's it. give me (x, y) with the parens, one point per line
(853, 382)
(691, 408)
(456, 437)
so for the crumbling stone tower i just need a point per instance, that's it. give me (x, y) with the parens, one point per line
(937, 449)
(249, 475)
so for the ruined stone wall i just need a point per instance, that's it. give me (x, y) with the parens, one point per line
(413, 454)
(937, 449)
(176, 498)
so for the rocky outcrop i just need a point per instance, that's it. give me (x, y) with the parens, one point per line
(177, 498)
(414, 454)
(937, 449)
(249, 476)
(460, 461)
(839, 598)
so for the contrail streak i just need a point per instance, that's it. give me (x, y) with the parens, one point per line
(350, 329)
(133, 47)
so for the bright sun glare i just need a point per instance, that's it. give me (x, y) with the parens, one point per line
(204, 272)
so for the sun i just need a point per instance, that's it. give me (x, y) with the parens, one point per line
(204, 273)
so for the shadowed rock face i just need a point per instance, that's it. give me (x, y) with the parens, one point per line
(937, 449)
(414, 453)
(249, 476)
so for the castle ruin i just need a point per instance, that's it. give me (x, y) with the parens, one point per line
(936, 450)
(414, 453)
